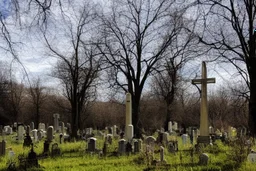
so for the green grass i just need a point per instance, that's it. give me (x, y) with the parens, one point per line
(74, 158)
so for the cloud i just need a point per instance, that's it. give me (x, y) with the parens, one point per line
(5, 8)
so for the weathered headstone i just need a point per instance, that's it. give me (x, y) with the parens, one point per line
(137, 145)
(46, 147)
(203, 159)
(8, 130)
(251, 157)
(128, 148)
(128, 121)
(55, 150)
(62, 125)
(165, 138)
(41, 126)
(20, 133)
(121, 146)
(32, 125)
(34, 135)
(27, 140)
(56, 117)
(150, 140)
(204, 122)
(173, 146)
(50, 132)
(170, 126)
(91, 144)
(184, 138)
(32, 159)
(162, 154)
(40, 134)
(175, 126)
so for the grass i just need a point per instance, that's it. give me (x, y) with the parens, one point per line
(73, 158)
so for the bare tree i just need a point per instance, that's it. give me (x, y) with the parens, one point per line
(135, 38)
(38, 97)
(78, 66)
(166, 81)
(229, 32)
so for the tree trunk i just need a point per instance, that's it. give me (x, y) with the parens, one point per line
(252, 101)
(167, 118)
(74, 124)
(135, 116)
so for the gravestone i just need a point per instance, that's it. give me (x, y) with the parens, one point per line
(41, 126)
(128, 148)
(170, 126)
(150, 140)
(40, 134)
(46, 147)
(32, 160)
(20, 133)
(62, 125)
(91, 144)
(175, 126)
(55, 150)
(2, 148)
(165, 138)
(114, 131)
(136, 146)
(128, 120)
(50, 132)
(32, 125)
(34, 135)
(204, 121)
(173, 146)
(162, 154)
(8, 130)
(251, 157)
(121, 146)
(56, 118)
(27, 140)
(203, 159)
(184, 138)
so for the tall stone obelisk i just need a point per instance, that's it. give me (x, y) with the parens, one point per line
(204, 121)
(128, 120)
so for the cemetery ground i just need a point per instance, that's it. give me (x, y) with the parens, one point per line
(73, 156)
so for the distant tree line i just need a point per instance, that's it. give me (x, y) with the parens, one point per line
(20, 103)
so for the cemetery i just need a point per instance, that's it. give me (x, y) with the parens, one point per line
(161, 151)
(122, 85)
(196, 149)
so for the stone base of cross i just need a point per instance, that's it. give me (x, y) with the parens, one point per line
(203, 140)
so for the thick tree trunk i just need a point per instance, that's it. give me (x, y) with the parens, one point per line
(167, 118)
(74, 124)
(252, 101)
(135, 117)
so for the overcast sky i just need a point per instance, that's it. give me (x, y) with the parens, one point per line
(31, 52)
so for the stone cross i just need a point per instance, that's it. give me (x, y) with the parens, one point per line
(204, 122)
